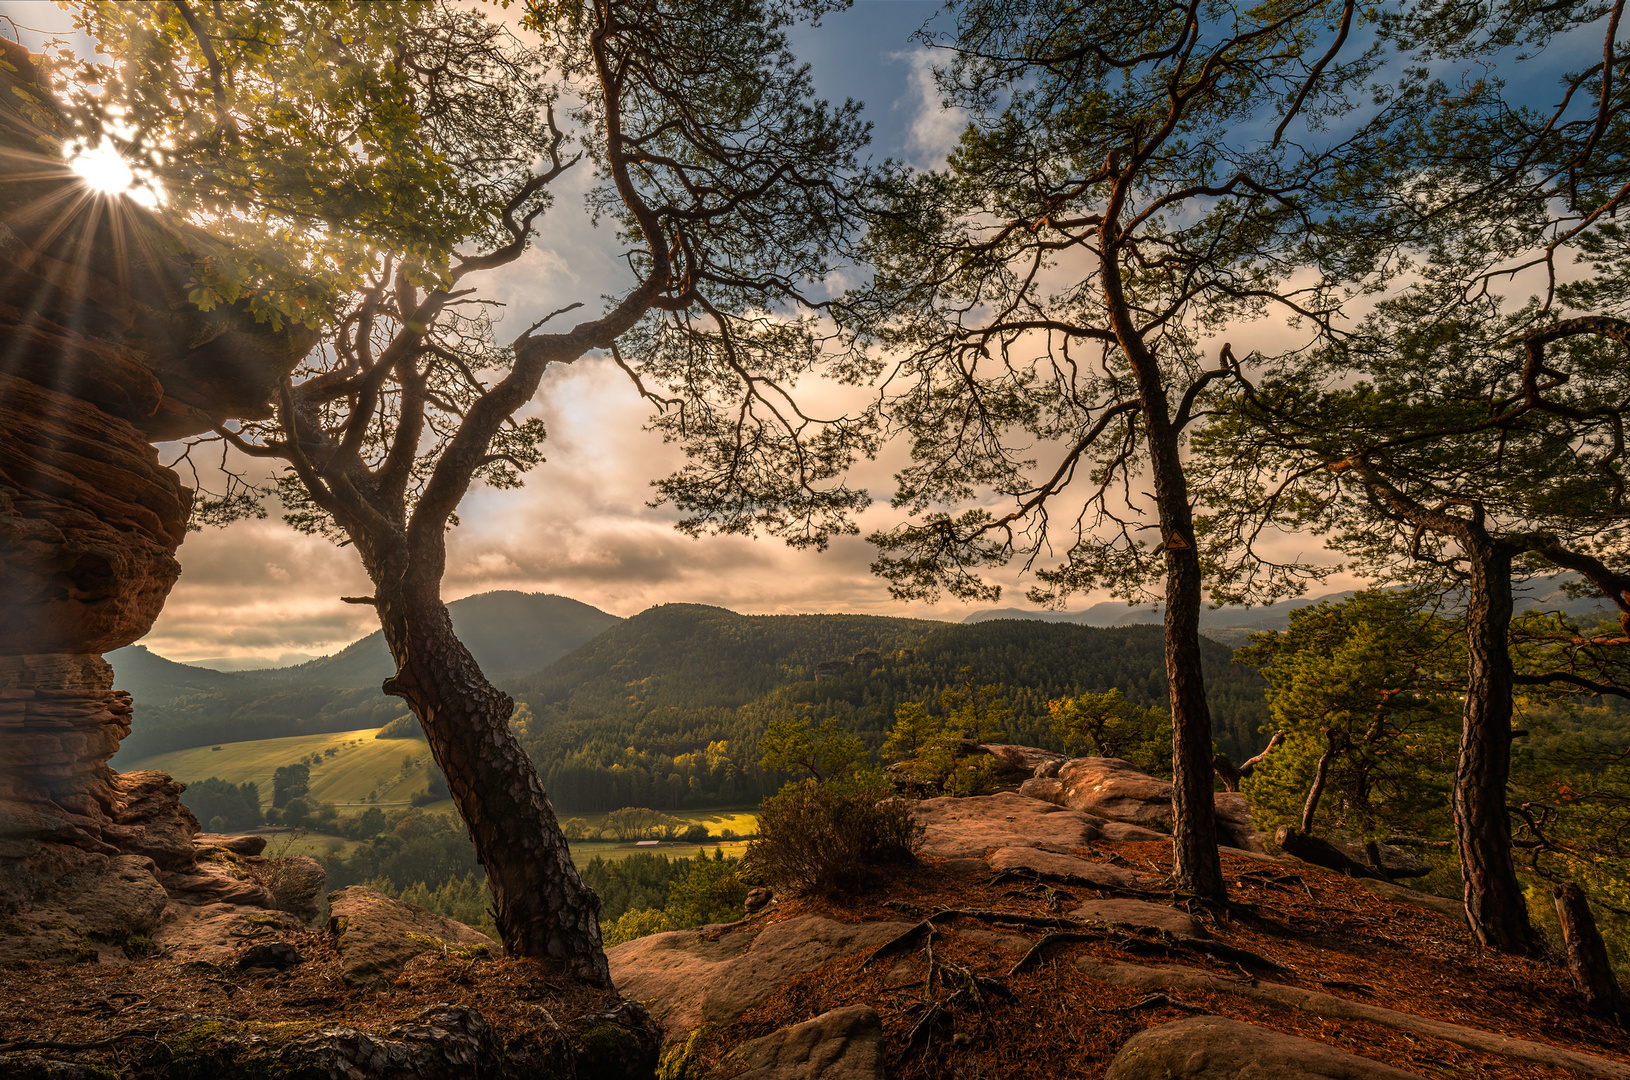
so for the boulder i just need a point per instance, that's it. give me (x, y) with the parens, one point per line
(121, 900)
(1021, 760)
(1215, 1048)
(714, 974)
(958, 828)
(1119, 791)
(274, 955)
(1141, 916)
(377, 935)
(843, 1044)
(1066, 868)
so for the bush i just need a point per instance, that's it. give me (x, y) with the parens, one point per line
(709, 892)
(639, 923)
(830, 838)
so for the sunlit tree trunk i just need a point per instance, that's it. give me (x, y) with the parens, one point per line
(542, 908)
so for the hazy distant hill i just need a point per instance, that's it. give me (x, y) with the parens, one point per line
(1231, 625)
(665, 709)
(178, 705)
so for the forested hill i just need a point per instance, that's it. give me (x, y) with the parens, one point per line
(665, 709)
(511, 634)
(177, 705)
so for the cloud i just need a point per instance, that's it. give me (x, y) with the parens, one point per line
(934, 129)
(258, 589)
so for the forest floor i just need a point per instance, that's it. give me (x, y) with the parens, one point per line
(981, 995)
(973, 991)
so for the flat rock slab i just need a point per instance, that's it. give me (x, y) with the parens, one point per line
(1215, 1048)
(844, 1044)
(1141, 916)
(957, 828)
(687, 980)
(377, 935)
(1052, 865)
(1330, 1007)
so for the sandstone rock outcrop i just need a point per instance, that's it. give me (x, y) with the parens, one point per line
(1121, 792)
(842, 1044)
(714, 974)
(956, 828)
(103, 354)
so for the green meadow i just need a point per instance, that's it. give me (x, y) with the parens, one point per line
(393, 770)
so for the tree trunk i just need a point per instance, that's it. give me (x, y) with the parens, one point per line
(1321, 775)
(543, 909)
(1196, 865)
(1494, 901)
(1587, 956)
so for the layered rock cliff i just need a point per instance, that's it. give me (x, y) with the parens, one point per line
(100, 356)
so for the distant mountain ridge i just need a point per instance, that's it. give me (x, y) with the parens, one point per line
(178, 705)
(1231, 625)
(510, 633)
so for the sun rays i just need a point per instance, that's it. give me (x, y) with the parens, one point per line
(104, 170)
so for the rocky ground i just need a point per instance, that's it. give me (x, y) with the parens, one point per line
(1032, 939)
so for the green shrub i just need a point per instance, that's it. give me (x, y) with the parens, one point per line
(639, 923)
(1107, 725)
(831, 838)
(710, 892)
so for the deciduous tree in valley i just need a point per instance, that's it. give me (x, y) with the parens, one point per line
(374, 161)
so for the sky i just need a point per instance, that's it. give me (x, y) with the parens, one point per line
(257, 593)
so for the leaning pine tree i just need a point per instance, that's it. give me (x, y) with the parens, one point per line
(390, 153)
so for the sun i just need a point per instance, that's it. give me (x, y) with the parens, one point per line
(103, 170)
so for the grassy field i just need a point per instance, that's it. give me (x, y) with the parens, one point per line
(361, 765)
(300, 842)
(392, 771)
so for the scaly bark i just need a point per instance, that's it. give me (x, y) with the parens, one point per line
(1494, 900)
(1196, 866)
(541, 905)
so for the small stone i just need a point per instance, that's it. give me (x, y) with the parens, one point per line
(271, 954)
(757, 899)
